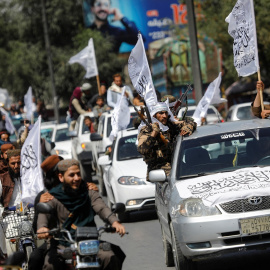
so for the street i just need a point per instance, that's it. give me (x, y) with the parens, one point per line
(143, 248)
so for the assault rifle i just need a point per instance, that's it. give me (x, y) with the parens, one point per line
(177, 105)
(143, 118)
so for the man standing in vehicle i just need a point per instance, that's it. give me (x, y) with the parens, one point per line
(157, 153)
(75, 206)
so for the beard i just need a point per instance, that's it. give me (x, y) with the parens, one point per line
(101, 18)
(75, 192)
(13, 174)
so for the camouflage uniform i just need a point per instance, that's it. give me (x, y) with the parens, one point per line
(158, 155)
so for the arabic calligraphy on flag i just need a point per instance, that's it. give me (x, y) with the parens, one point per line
(242, 28)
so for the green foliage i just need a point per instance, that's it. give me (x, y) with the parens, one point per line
(214, 25)
(23, 57)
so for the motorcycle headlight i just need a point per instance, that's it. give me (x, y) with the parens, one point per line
(25, 227)
(88, 247)
(195, 208)
(130, 180)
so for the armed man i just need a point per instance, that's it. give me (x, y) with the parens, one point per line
(155, 141)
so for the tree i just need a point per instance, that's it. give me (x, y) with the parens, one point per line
(214, 25)
(23, 59)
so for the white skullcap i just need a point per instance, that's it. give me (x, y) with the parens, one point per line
(159, 107)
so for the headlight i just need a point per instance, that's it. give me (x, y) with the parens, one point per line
(61, 152)
(25, 227)
(195, 208)
(130, 180)
(88, 247)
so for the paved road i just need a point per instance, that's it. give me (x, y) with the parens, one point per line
(143, 248)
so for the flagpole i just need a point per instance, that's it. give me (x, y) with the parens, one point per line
(98, 84)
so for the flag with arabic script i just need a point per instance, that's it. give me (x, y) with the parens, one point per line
(31, 175)
(242, 28)
(140, 75)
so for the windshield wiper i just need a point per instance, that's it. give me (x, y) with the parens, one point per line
(127, 158)
(197, 175)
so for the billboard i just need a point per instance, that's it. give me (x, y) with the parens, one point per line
(122, 19)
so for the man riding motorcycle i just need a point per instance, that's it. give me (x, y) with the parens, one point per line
(75, 206)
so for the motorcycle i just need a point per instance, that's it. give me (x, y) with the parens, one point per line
(83, 250)
(16, 223)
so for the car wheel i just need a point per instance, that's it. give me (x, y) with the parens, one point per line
(109, 203)
(124, 217)
(102, 188)
(167, 249)
(180, 261)
(86, 172)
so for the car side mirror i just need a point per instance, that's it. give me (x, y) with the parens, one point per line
(94, 137)
(72, 133)
(157, 176)
(104, 161)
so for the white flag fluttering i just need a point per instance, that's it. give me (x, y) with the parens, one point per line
(31, 176)
(140, 75)
(28, 102)
(8, 123)
(120, 116)
(211, 96)
(242, 28)
(87, 58)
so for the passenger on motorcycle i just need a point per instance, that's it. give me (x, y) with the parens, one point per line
(75, 206)
(50, 176)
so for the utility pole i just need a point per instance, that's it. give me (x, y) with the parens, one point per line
(49, 55)
(196, 69)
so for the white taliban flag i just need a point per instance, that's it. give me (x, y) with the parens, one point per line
(211, 96)
(28, 102)
(242, 28)
(8, 123)
(87, 58)
(120, 116)
(140, 75)
(31, 176)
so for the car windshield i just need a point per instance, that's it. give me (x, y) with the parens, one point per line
(46, 133)
(224, 152)
(61, 135)
(109, 129)
(244, 113)
(127, 148)
(191, 112)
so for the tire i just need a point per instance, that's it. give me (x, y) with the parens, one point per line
(102, 188)
(124, 217)
(180, 261)
(167, 249)
(109, 203)
(86, 172)
(28, 251)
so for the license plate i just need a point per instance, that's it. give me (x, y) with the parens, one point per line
(258, 225)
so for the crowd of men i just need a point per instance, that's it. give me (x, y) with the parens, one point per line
(67, 192)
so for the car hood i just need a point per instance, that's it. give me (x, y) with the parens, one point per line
(227, 186)
(133, 167)
(64, 145)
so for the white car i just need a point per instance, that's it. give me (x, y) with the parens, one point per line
(125, 175)
(101, 142)
(240, 112)
(62, 141)
(81, 146)
(58, 134)
(213, 116)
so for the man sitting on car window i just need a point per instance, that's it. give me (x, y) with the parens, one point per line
(157, 153)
